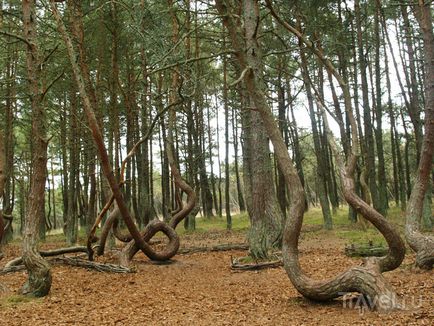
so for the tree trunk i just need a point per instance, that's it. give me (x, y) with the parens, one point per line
(369, 150)
(71, 223)
(321, 180)
(280, 182)
(264, 211)
(383, 203)
(2, 183)
(39, 281)
(9, 139)
(423, 244)
(139, 240)
(227, 175)
(241, 202)
(365, 279)
(414, 108)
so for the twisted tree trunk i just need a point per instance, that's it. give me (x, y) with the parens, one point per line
(98, 139)
(138, 241)
(366, 279)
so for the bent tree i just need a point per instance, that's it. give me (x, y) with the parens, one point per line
(138, 240)
(366, 279)
(39, 280)
(422, 244)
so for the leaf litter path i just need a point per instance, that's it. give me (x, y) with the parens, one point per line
(201, 289)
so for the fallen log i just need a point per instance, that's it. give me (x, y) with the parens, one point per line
(12, 269)
(221, 247)
(239, 266)
(50, 253)
(76, 262)
(100, 267)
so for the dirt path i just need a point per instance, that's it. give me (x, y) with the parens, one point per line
(201, 289)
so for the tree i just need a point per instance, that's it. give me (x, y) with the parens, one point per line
(367, 279)
(39, 280)
(423, 244)
(98, 138)
(226, 109)
(319, 150)
(264, 211)
(137, 240)
(2, 182)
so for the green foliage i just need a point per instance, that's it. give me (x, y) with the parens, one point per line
(134, 27)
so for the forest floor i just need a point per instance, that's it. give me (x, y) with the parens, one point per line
(202, 289)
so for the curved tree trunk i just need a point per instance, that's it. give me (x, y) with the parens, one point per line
(366, 279)
(140, 240)
(423, 244)
(181, 211)
(98, 138)
(39, 281)
(180, 184)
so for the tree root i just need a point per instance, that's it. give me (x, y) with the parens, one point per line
(425, 258)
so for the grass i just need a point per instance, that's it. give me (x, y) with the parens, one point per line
(240, 222)
(342, 227)
(16, 299)
(354, 233)
(314, 217)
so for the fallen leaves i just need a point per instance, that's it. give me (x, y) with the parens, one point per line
(200, 289)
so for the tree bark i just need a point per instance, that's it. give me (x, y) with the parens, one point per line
(98, 138)
(368, 148)
(39, 276)
(423, 244)
(383, 203)
(321, 181)
(366, 279)
(227, 175)
(2, 183)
